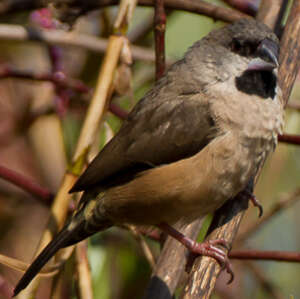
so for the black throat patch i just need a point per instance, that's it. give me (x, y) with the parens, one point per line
(261, 83)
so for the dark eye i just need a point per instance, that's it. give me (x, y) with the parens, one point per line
(235, 45)
(243, 48)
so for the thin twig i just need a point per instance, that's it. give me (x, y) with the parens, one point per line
(269, 12)
(290, 139)
(144, 246)
(18, 265)
(62, 38)
(102, 95)
(153, 234)
(6, 289)
(59, 79)
(159, 37)
(272, 255)
(26, 184)
(118, 111)
(88, 131)
(84, 273)
(201, 7)
(249, 7)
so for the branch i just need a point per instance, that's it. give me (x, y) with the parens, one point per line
(205, 270)
(226, 222)
(118, 111)
(290, 46)
(62, 38)
(269, 12)
(94, 115)
(170, 265)
(59, 79)
(26, 184)
(83, 6)
(281, 256)
(250, 7)
(6, 289)
(290, 139)
(83, 271)
(159, 37)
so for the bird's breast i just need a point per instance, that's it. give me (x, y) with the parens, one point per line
(189, 188)
(186, 189)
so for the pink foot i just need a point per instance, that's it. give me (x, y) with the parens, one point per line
(207, 248)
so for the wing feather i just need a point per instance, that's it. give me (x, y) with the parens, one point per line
(170, 123)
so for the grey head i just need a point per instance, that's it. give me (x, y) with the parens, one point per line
(246, 49)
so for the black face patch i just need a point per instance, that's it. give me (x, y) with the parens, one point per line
(243, 48)
(260, 83)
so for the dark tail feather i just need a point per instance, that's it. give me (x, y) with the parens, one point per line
(81, 226)
(74, 232)
(57, 243)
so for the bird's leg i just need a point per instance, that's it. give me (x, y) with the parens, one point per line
(248, 193)
(207, 248)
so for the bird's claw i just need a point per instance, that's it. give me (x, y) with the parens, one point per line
(209, 248)
(257, 204)
(254, 201)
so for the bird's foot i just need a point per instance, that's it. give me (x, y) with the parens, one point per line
(249, 194)
(207, 248)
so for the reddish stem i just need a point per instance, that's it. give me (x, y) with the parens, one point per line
(285, 256)
(25, 183)
(118, 111)
(291, 139)
(60, 81)
(159, 33)
(57, 78)
(6, 289)
(249, 7)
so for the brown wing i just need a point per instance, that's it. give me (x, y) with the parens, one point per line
(165, 126)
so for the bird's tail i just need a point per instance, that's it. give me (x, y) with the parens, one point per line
(78, 229)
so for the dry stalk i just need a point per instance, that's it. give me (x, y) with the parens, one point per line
(96, 111)
(94, 114)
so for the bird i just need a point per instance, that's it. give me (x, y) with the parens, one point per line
(194, 141)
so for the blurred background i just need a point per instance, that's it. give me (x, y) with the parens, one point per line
(39, 127)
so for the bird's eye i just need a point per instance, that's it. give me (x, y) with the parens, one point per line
(235, 45)
(243, 48)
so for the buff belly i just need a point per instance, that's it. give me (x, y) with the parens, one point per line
(189, 188)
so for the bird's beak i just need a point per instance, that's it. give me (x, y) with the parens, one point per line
(259, 64)
(267, 53)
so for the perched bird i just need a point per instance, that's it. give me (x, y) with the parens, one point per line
(195, 140)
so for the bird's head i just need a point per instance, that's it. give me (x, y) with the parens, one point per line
(256, 45)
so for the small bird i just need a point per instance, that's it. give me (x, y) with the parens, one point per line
(195, 140)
